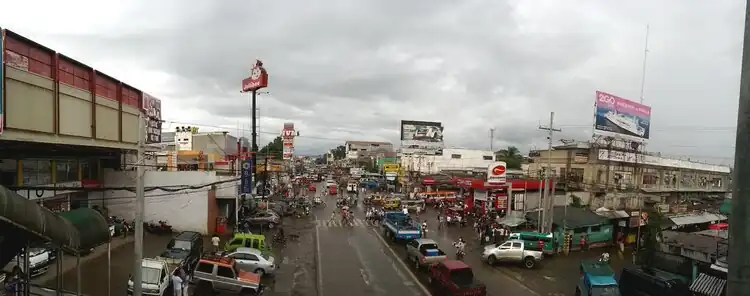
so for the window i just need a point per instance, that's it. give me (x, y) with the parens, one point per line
(37, 172)
(251, 257)
(66, 171)
(239, 256)
(224, 271)
(248, 243)
(255, 244)
(456, 156)
(487, 157)
(516, 245)
(580, 230)
(8, 172)
(235, 242)
(205, 267)
(596, 228)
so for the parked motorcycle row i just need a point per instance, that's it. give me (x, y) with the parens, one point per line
(121, 227)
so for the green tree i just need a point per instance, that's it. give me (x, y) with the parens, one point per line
(274, 149)
(651, 234)
(576, 202)
(339, 152)
(511, 156)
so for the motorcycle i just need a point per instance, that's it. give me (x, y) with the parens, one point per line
(162, 227)
(460, 255)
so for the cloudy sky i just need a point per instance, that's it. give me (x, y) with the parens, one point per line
(352, 69)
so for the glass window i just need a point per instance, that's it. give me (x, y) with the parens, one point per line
(456, 156)
(486, 157)
(205, 267)
(8, 172)
(224, 271)
(251, 257)
(85, 170)
(66, 171)
(37, 172)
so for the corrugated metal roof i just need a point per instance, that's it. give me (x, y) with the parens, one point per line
(697, 218)
(612, 214)
(706, 285)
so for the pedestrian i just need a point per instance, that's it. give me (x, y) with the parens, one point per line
(405, 211)
(185, 279)
(621, 242)
(215, 242)
(540, 245)
(583, 242)
(177, 285)
(125, 229)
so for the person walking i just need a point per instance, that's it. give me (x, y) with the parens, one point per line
(215, 240)
(177, 285)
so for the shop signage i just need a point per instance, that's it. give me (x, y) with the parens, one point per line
(246, 180)
(152, 109)
(258, 78)
(630, 157)
(391, 168)
(496, 173)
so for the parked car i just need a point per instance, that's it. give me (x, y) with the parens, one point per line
(157, 277)
(513, 251)
(454, 277)
(38, 261)
(186, 246)
(268, 219)
(254, 260)
(220, 274)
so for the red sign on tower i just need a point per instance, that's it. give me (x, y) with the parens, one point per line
(258, 78)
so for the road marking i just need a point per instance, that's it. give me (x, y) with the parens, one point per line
(364, 276)
(396, 258)
(319, 266)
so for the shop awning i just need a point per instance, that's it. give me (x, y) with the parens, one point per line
(697, 218)
(92, 227)
(707, 285)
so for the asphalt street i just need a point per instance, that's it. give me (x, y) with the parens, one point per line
(353, 260)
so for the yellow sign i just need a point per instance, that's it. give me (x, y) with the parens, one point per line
(271, 168)
(391, 168)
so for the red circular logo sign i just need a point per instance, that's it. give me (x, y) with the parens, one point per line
(498, 170)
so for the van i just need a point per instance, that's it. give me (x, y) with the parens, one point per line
(186, 246)
(637, 282)
(248, 240)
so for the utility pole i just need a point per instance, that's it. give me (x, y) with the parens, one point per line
(492, 139)
(139, 209)
(549, 201)
(739, 240)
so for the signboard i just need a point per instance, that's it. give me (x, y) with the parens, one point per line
(630, 157)
(391, 176)
(258, 78)
(422, 137)
(288, 142)
(287, 138)
(621, 118)
(287, 153)
(496, 173)
(271, 168)
(2, 79)
(152, 109)
(246, 179)
(391, 168)
(480, 195)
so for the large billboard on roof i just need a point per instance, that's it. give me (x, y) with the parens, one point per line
(422, 137)
(621, 118)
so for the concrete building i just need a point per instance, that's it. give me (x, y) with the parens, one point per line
(187, 149)
(355, 149)
(453, 159)
(598, 173)
(63, 122)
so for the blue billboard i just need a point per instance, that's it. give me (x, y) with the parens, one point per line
(246, 177)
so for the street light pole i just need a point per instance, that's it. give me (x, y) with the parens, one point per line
(139, 209)
(739, 240)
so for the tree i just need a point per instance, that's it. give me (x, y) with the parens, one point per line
(576, 202)
(511, 156)
(339, 152)
(651, 234)
(274, 149)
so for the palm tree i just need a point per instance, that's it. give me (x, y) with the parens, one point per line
(511, 156)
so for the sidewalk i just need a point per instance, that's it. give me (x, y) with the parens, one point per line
(69, 261)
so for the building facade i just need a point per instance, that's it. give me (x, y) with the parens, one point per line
(62, 122)
(355, 149)
(452, 159)
(602, 171)
(191, 150)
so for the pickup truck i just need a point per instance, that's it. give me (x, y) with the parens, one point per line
(220, 274)
(38, 261)
(455, 278)
(423, 252)
(400, 226)
(513, 251)
(157, 276)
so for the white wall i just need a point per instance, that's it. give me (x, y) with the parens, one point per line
(185, 210)
(430, 164)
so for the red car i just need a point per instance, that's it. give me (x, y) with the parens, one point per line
(311, 188)
(332, 190)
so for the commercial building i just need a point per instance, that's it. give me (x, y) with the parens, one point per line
(452, 159)
(62, 122)
(355, 149)
(187, 149)
(600, 172)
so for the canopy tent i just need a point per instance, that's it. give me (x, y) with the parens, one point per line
(92, 227)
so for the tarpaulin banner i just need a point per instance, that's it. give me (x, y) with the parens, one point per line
(621, 118)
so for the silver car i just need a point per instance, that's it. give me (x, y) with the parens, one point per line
(254, 260)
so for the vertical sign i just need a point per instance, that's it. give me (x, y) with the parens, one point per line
(2, 79)
(152, 109)
(287, 137)
(246, 179)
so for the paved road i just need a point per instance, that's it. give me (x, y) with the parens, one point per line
(354, 261)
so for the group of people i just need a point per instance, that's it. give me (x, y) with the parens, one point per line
(490, 231)
(374, 214)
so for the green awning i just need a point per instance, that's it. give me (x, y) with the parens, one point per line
(30, 217)
(92, 227)
(726, 207)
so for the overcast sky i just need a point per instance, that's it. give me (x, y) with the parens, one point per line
(352, 69)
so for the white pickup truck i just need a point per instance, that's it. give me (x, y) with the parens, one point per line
(511, 251)
(157, 277)
(38, 262)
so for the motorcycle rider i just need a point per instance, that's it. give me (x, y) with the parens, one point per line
(460, 246)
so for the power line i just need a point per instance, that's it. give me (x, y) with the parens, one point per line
(171, 188)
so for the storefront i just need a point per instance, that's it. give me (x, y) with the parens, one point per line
(482, 196)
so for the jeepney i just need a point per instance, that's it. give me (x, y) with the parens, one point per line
(392, 204)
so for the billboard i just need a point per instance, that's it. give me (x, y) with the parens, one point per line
(496, 173)
(422, 137)
(258, 78)
(152, 109)
(287, 139)
(621, 118)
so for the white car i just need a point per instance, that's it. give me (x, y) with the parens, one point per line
(254, 260)
(38, 261)
(156, 277)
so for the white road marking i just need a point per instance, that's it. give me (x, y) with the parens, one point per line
(319, 266)
(413, 276)
(364, 276)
